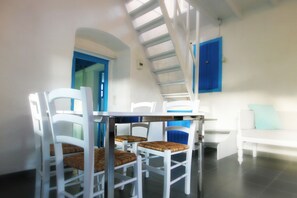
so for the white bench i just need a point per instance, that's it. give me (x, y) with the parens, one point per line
(223, 140)
(247, 133)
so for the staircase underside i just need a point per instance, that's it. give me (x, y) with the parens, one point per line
(149, 21)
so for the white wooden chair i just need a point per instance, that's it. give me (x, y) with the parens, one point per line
(43, 148)
(167, 149)
(91, 162)
(128, 142)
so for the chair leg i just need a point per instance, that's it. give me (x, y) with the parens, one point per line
(124, 148)
(188, 173)
(255, 150)
(37, 183)
(240, 152)
(80, 179)
(147, 162)
(167, 173)
(60, 176)
(137, 172)
(134, 147)
(46, 179)
(100, 184)
(97, 185)
(124, 173)
(39, 164)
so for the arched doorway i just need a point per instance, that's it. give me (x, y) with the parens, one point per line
(95, 52)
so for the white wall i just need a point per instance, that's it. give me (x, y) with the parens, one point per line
(37, 40)
(119, 96)
(261, 65)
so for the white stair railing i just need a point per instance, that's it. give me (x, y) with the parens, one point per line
(183, 47)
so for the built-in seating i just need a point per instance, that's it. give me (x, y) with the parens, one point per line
(224, 141)
(285, 135)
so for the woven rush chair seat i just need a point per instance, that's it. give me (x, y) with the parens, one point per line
(128, 141)
(120, 158)
(162, 146)
(130, 138)
(67, 149)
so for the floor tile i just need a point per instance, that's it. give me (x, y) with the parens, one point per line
(276, 193)
(259, 177)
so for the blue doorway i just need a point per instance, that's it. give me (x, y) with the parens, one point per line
(91, 71)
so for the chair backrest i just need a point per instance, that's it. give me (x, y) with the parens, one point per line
(85, 119)
(179, 107)
(42, 133)
(189, 131)
(142, 107)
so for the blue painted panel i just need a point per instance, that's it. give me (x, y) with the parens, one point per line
(210, 66)
(86, 60)
(105, 87)
(178, 136)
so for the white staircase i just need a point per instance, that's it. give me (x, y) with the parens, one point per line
(164, 34)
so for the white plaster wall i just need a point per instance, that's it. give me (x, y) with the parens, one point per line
(139, 82)
(119, 97)
(261, 65)
(36, 46)
(86, 46)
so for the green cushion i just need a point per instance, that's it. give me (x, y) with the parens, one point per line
(265, 117)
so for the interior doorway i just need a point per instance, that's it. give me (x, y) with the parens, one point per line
(91, 71)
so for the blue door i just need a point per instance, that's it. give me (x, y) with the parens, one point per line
(91, 71)
(210, 66)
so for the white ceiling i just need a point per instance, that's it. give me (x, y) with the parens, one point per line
(212, 10)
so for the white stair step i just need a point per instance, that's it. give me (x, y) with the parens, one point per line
(162, 55)
(157, 40)
(150, 25)
(176, 95)
(167, 70)
(172, 83)
(143, 9)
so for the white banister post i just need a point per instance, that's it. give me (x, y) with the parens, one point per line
(197, 42)
(239, 140)
(188, 43)
(174, 13)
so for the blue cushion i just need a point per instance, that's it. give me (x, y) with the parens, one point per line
(265, 117)
(178, 136)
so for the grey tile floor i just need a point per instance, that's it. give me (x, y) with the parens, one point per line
(258, 178)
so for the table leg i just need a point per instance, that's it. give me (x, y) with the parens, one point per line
(200, 157)
(109, 158)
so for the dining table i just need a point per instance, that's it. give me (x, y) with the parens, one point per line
(112, 118)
